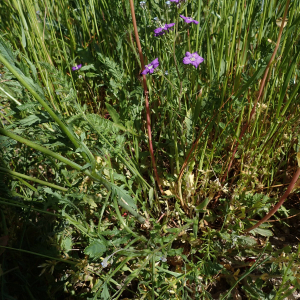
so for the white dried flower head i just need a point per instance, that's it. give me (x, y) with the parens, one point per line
(264, 106)
(163, 258)
(104, 263)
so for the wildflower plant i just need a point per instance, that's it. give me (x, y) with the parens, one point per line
(163, 29)
(77, 67)
(189, 20)
(193, 58)
(149, 69)
(158, 177)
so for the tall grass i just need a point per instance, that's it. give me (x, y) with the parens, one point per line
(80, 145)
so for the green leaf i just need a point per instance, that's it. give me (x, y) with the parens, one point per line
(105, 293)
(263, 232)
(86, 166)
(90, 74)
(246, 241)
(162, 270)
(151, 196)
(202, 205)
(95, 249)
(211, 268)
(113, 113)
(88, 67)
(123, 196)
(67, 243)
(29, 120)
(23, 37)
(7, 51)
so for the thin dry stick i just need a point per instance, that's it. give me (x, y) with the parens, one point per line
(146, 96)
(276, 207)
(262, 85)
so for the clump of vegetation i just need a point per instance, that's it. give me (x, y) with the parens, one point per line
(149, 149)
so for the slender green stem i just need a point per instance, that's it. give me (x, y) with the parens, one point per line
(17, 174)
(42, 255)
(121, 219)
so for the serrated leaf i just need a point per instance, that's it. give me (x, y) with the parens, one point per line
(105, 125)
(29, 120)
(7, 52)
(95, 249)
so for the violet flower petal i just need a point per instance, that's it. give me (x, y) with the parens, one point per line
(155, 63)
(158, 30)
(199, 59)
(195, 64)
(145, 72)
(75, 68)
(170, 25)
(186, 61)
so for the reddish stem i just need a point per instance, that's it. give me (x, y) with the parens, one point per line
(276, 207)
(146, 96)
(262, 85)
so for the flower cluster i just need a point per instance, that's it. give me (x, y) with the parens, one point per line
(193, 58)
(77, 67)
(190, 58)
(162, 30)
(149, 69)
(189, 20)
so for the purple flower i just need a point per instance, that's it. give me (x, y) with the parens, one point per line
(160, 30)
(76, 67)
(193, 58)
(175, 1)
(149, 69)
(189, 20)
